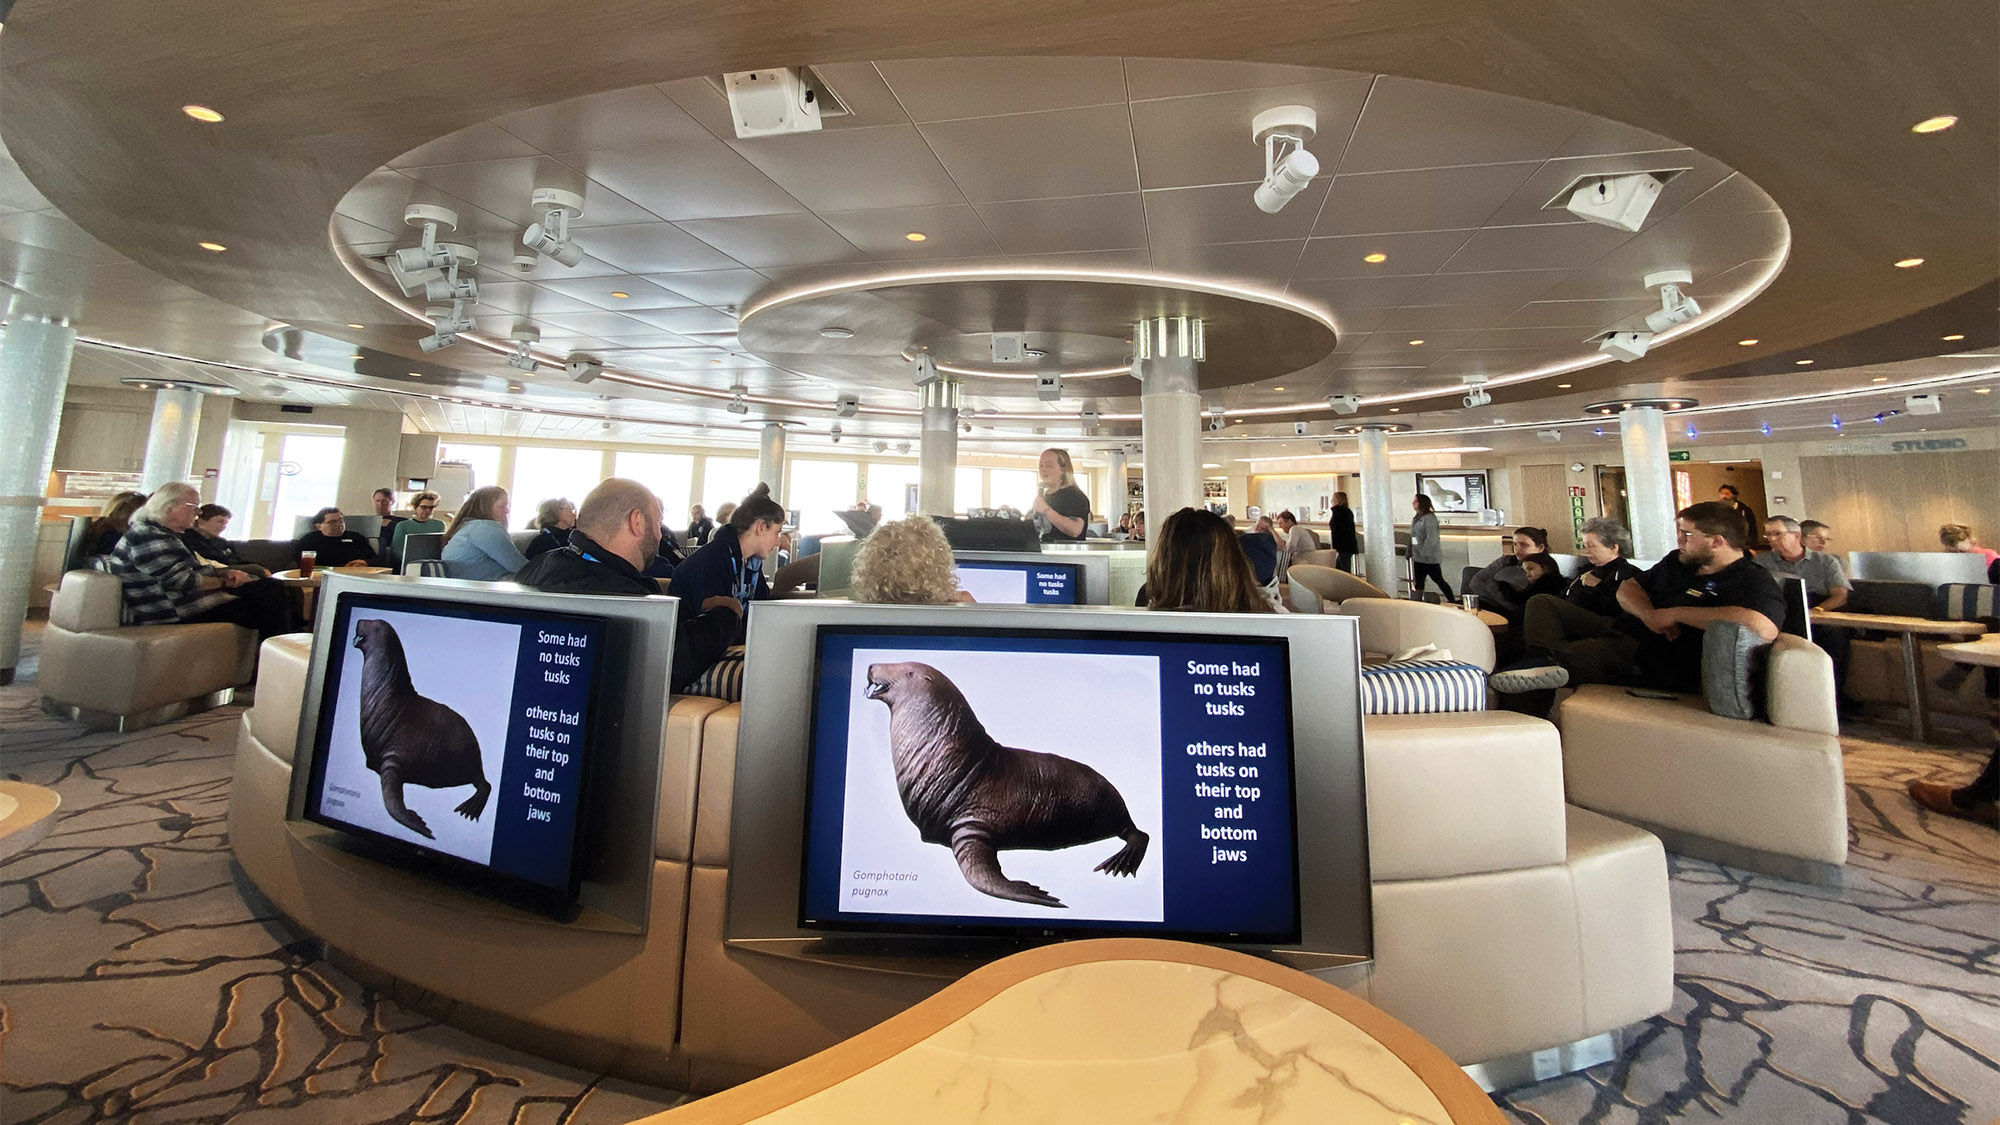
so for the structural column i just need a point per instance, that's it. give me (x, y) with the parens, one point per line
(771, 459)
(1378, 508)
(1649, 482)
(937, 451)
(170, 439)
(1113, 503)
(34, 368)
(1167, 353)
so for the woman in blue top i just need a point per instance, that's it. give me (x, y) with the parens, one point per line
(732, 563)
(1426, 549)
(476, 546)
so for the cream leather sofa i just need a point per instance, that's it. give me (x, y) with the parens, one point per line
(1390, 626)
(106, 674)
(1505, 921)
(1768, 797)
(1332, 586)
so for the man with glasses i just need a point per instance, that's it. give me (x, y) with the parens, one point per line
(1816, 536)
(334, 544)
(1656, 643)
(1825, 582)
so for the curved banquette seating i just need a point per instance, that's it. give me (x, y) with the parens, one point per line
(1393, 625)
(1505, 921)
(1333, 586)
(105, 673)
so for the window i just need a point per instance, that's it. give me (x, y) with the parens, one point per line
(545, 473)
(727, 480)
(669, 475)
(818, 490)
(970, 486)
(889, 486)
(1013, 488)
(308, 477)
(484, 459)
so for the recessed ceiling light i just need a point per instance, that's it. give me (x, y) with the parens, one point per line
(1936, 124)
(916, 236)
(1277, 388)
(357, 326)
(1909, 263)
(356, 355)
(1376, 258)
(1563, 386)
(212, 247)
(1953, 337)
(620, 294)
(1746, 343)
(1395, 410)
(201, 113)
(832, 332)
(1982, 390)
(1803, 362)
(1879, 379)
(1416, 343)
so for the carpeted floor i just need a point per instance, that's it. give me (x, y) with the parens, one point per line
(140, 982)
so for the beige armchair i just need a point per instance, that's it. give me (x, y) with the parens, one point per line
(1390, 626)
(1332, 586)
(1768, 797)
(108, 675)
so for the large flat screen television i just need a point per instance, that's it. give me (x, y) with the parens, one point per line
(1032, 578)
(938, 801)
(980, 777)
(1455, 492)
(500, 740)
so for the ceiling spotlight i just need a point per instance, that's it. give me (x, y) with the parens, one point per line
(1564, 386)
(835, 332)
(834, 431)
(212, 247)
(1476, 395)
(447, 321)
(1675, 307)
(1934, 124)
(429, 253)
(736, 403)
(351, 325)
(550, 236)
(1214, 418)
(1395, 410)
(1909, 263)
(1982, 390)
(1416, 343)
(1765, 429)
(1620, 202)
(451, 287)
(620, 295)
(1626, 346)
(202, 114)
(1802, 362)
(1953, 338)
(916, 236)
(524, 335)
(1879, 379)
(1746, 343)
(524, 262)
(1376, 258)
(1288, 167)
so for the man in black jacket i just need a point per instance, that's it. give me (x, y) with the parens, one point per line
(1343, 540)
(617, 534)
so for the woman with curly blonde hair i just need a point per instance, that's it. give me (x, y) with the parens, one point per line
(906, 563)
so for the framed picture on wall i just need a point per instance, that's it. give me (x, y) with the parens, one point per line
(1455, 492)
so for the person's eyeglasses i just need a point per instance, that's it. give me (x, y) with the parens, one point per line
(195, 504)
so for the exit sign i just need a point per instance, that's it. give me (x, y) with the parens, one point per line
(1680, 455)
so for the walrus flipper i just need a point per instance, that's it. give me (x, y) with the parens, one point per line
(392, 800)
(980, 865)
(1125, 861)
(472, 806)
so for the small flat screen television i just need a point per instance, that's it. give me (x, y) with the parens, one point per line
(942, 797)
(461, 735)
(1454, 492)
(1034, 578)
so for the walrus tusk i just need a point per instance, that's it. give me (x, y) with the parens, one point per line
(876, 690)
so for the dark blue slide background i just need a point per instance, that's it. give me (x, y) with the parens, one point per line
(1257, 897)
(539, 851)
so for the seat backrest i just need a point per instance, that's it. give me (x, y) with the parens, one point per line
(423, 545)
(78, 544)
(1798, 618)
(1333, 585)
(1894, 598)
(1932, 568)
(1798, 686)
(522, 540)
(87, 600)
(1393, 626)
(1967, 601)
(1571, 565)
(426, 568)
(1317, 557)
(1304, 600)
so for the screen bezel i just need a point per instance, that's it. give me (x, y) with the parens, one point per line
(1095, 578)
(1073, 569)
(462, 872)
(844, 922)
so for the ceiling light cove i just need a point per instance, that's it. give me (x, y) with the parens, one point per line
(1376, 258)
(1746, 343)
(916, 236)
(1934, 124)
(1909, 263)
(1953, 338)
(212, 247)
(202, 114)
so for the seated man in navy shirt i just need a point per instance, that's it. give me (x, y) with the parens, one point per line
(1656, 642)
(337, 546)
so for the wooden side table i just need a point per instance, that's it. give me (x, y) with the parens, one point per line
(1909, 629)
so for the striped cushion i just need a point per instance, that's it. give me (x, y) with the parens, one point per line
(1418, 687)
(723, 680)
(1967, 601)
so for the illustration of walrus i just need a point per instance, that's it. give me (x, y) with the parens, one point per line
(408, 739)
(965, 790)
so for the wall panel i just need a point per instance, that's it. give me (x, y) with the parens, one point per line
(1895, 503)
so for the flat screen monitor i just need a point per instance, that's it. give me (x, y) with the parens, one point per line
(1454, 492)
(983, 777)
(990, 533)
(463, 735)
(1033, 578)
(937, 801)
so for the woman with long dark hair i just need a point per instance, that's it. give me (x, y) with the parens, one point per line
(1197, 564)
(1426, 549)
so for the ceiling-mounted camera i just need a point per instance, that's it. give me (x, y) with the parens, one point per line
(835, 432)
(1344, 404)
(1048, 386)
(847, 406)
(583, 368)
(923, 370)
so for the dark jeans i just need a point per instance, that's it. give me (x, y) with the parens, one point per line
(1584, 643)
(1432, 571)
(1344, 561)
(1836, 641)
(258, 605)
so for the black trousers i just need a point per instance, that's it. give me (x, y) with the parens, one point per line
(1344, 561)
(1432, 571)
(259, 605)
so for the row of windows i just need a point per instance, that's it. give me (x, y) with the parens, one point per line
(816, 490)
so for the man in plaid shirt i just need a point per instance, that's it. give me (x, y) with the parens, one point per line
(166, 584)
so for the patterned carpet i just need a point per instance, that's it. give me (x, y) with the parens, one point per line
(141, 982)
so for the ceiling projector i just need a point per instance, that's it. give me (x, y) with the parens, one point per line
(764, 103)
(1622, 202)
(1344, 404)
(1626, 346)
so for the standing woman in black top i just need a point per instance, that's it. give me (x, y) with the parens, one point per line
(1061, 509)
(1344, 540)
